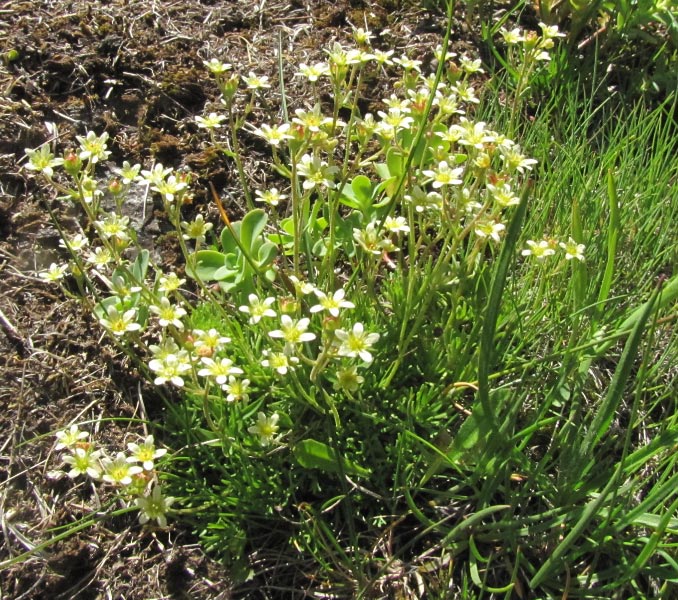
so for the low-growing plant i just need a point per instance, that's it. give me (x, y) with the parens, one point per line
(339, 355)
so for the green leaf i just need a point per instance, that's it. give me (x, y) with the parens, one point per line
(252, 227)
(312, 454)
(207, 262)
(140, 266)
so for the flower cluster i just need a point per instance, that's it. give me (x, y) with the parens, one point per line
(132, 472)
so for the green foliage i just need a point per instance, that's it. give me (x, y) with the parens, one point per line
(410, 374)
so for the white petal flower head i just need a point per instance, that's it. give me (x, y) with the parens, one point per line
(258, 309)
(54, 273)
(42, 160)
(119, 324)
(443, 175)
(84, 461)
(256, 82)
(293, 332)
(489, 229)
(540, 250)
(211, 121)
(145, 453)
(573, 250)
(70, 438)
(119, 470)
(170, 368)
(170, 283)
(216, 66)
(279, 361)
(236, 389)
(332, 304)
(154, 507)
(271, 197)
(93, 147)
(314, 72)
(219, 369)
(266, 428)
(168, 314)
(356, 342)
(348, 379)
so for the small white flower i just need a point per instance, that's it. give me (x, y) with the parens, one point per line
(256, 82)
(314, 72)
(170, 368)
(168, 314)
(93, 147)
(77, 243)
(42, 160)
(145, 453)
(216, 66)
(211, 121)
(348, 379)
(84, 461)
(293, 332)
(275, 134)
(119, 470)
(266, 428)
(236, 389)
(197, 229)
(489, 229)
(573, 250)
(279, 361)
(332, 304)
(154, 507)
(54, 273)
(540, 250)
(271, 197)
(356, 342)
(396, 224)
(257, 309)
(219, 369)
(170, 283)
(70, 438)
(443, 175)
(119, 324)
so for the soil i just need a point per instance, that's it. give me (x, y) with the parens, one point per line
(135, 70)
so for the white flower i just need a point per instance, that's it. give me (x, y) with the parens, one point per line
(293, 332)
(503, 194)
(271, 197)
(170, 368)
(84, 462)
(257, 309)
(119, 470)
(332, 304)
(211, 121)
(154, 507)
(256, 82)
(302, 287)
(540, 250)
(266, 428)
(208, 342)
(314, 72)
(218, 369)
(348, 379)
(42, 160)
(274, 135)
(216, 66)
(77, 243)
(489, 229)
(145, 453)
(168, 314)
(128, 173)
(197, 229)
(396, 224)
(236, 389)
(573, 249)
(356, 342)
(113, 226)
(93, 147)
(442, 175)
(100, 257)
(316, 172)
(279, 361)
(170, 283)
(70, 438)
(54, 273)
(119, 324)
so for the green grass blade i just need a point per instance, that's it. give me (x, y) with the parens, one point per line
(603, 418)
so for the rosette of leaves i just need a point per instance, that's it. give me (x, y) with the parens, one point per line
(244, 254)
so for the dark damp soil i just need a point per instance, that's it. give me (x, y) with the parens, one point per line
(133, 69)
